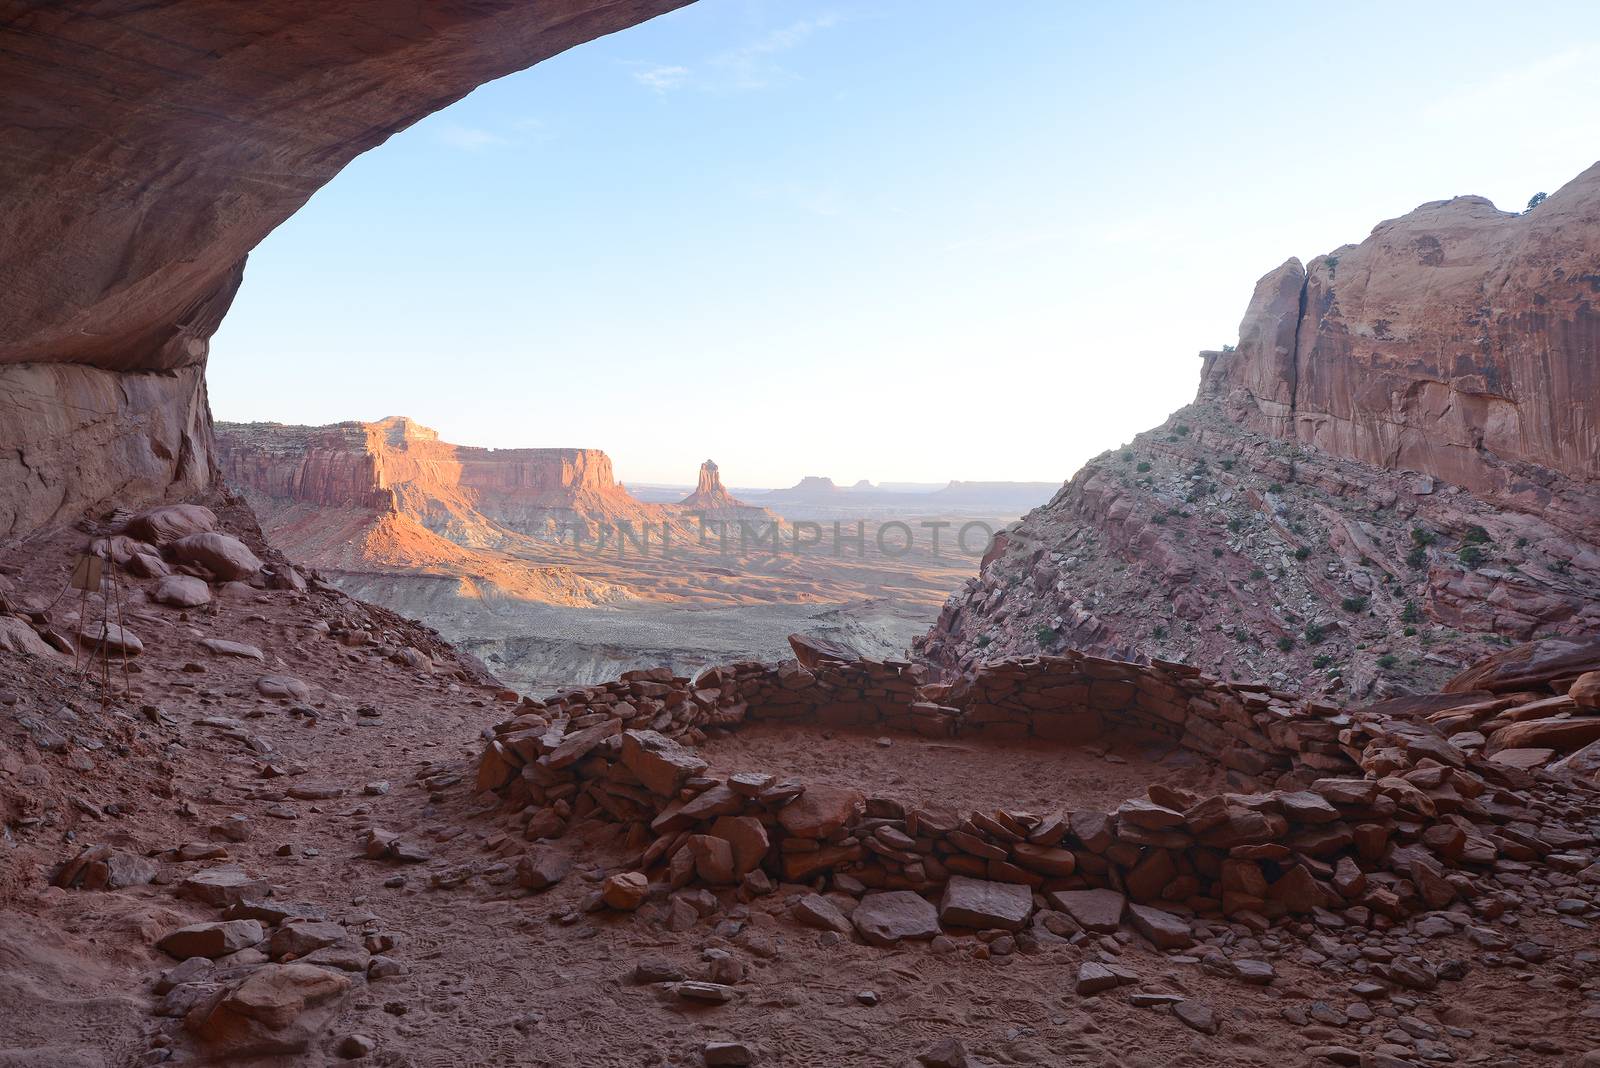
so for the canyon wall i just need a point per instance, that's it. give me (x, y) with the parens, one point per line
(147, 149)
(397, 465)
(1395, 467)
(1457, 340)
(73, 437)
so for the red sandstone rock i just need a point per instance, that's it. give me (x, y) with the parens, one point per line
(894, 916)
(1094, 910)
(984, 904)
(820, 811)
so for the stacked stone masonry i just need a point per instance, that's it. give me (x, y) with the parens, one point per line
(1365, 814)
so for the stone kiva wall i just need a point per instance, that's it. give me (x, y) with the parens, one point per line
(1366, 814)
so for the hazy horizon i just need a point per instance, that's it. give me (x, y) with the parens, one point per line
(805, 239)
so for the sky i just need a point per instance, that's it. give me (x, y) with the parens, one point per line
(900, 240)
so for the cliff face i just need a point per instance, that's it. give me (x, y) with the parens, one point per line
(1457, 340)
(1395, 467)
(396, 465)
(146, 149)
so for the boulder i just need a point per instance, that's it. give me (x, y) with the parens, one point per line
(660, 763)
(16, 636)
(111, 638)
(284, 686)
(211, 940)
(1585, 691)
(160, 526)
(223, 886)
(223, 555)
(266, 1013)
(223, 647)
(182, 591)
(821, 811)
(1561, 733)
(296, 938)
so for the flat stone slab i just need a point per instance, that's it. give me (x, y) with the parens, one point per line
(895, 915)
(1163, 929)
(1099, 911)
(983, 904)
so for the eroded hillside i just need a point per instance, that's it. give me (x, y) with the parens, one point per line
(1391, 473)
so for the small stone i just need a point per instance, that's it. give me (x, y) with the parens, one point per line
(542, 869)
(656, 970)
(1094, 978)
(814, 910)
(1254, 972)
(354, 1047)
(731, 1054)
(1197, 1015)
(694, 990)
(1163, 929)
(948, 1053)
(625, 891)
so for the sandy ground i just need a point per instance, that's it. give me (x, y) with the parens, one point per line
(498, 976)
(965, 775)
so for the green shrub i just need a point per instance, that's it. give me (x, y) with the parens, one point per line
(1476, 535)
(1227, 463)
(1217, 552)
(1321, 660)
(1046, 635)
(1423, 536)
(1286, 643)
(1182, 430)
(1143, 466)
(1127, 456)
(1276, 487)
(1354, 604)
(1159, 632)
(1257, 573)
(1411, 613)
(1387, 661)
(1315, 633)
(1472, 556)
(1417, 557)
(1159, 518)
(1235, 524)
(1410, 632)
(983, 640)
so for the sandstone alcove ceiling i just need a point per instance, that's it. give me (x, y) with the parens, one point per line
(147, 149)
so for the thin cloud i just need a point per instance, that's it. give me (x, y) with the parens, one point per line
(469, 138)
(751, 66)
(661, 78)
